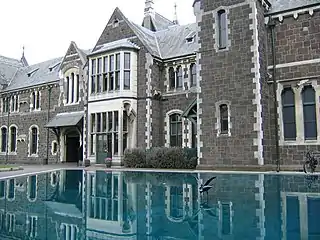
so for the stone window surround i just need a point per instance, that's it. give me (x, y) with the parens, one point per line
(38, 95)
(9, 138)
(102, 72)
(187, 80)
(30, 139)
(185, 136)
(29, 188)
(216, 30)
(76, 92)
(299, 115)
(217, 115)
(52, 148)
(14, 99)
(3, 126)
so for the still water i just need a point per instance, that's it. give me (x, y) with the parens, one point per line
(76, 204)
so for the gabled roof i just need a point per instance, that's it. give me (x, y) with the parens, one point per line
(73, 48)
(37, 74)
(173, 43)
(286, 5)
(157, 21)
(8, 68)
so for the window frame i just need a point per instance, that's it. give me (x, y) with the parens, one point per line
(4, 144)
(286, 106)
(222, 25)
(33, 141)
(11, 140)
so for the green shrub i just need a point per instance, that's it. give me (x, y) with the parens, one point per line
(161, 157)
(135, 158)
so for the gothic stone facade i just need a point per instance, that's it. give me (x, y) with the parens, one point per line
(206, 85)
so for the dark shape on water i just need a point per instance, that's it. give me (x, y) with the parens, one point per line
(206, 187)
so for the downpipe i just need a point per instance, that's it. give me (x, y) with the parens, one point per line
(272, 25)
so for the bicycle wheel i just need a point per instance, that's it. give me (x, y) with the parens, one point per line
(308, 167)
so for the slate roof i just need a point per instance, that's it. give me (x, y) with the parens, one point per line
(66, 119)
(124, 43)
(283, 5)
(41, 75)
(8, 68)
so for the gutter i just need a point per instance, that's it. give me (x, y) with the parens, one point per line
(293, 9)
(272, 25)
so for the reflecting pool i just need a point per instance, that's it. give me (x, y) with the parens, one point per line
(76, 204)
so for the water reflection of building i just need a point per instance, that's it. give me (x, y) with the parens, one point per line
(41, 206)
(111, 206)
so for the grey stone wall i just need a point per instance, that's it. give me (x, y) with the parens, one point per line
(296, 40)
(226, 76)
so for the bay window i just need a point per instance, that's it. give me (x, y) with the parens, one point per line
(111, 72)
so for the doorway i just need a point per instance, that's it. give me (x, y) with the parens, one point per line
(73, 149)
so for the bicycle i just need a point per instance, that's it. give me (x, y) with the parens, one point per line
(311, 162)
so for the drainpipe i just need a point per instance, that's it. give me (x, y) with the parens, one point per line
(8, 129)
(48, 118)
(272, 25)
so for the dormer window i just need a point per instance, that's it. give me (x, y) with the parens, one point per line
(115, 22)
(32, 72)
(190, 37)
(53, 66)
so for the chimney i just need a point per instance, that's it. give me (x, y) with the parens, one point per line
(149, 8)
(197, 9)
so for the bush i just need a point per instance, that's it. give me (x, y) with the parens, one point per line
(161, 157)
(135, 158)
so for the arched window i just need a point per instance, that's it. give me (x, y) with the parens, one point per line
(4, 136)
(172, 78)
(13, 139)
(309, 113)
(175, 130)
(222, 29)
(288, 114)
(224, 119)
(33, 140)
(193, 75)
(179, 77)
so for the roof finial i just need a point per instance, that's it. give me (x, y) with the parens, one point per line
(175, 21)
(148, 8)
(23, 58)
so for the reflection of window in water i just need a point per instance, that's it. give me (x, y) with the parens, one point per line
(225, 218)
(10, 222)
(176, 202)
(104, 196)
(300, 215)
(31, 223)
(2, 189)
(11, 189)
(32, 187)
(69, 231)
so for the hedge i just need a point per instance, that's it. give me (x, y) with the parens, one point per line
(161, 157)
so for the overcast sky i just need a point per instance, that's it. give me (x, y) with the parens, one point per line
(46, 28)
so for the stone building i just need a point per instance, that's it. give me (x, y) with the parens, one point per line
(207, 85)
